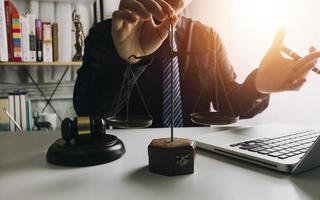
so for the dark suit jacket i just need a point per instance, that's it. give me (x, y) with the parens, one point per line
(102, 73)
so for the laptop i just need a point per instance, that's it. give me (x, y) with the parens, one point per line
(281, 147)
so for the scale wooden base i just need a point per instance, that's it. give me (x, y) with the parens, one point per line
(171, 158)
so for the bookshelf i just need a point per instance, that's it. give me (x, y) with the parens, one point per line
(40, 64)
(25, 65)
(24, 68)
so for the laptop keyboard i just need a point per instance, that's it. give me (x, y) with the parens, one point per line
(282, 147)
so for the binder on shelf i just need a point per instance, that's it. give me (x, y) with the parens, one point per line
(4, 119)
(3, 34)
(39, 39)
(16, 37)
(55, 41)
(17, 110)
(29, 115)
(47, 42)
(11, 111)
(23, 110)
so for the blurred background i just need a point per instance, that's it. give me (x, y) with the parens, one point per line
(247, 28)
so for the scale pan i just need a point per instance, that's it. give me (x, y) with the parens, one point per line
(213, 118)
(129, 122)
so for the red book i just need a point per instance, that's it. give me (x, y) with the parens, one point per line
(10, 9)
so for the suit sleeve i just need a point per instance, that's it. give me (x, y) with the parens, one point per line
(100, 78)
(241, 99)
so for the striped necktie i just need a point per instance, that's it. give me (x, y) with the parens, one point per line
(166, 92)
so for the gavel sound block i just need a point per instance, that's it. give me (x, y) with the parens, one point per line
(171, 158)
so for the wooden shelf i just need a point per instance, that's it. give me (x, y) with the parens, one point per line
(43, 64)
(68, 1)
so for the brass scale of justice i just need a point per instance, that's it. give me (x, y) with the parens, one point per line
(202, 118)
(84, 141)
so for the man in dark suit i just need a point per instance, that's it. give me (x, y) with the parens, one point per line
(140, 27)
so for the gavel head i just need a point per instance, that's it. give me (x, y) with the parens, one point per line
(83, 129)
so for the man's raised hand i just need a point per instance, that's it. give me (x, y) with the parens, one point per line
(134, 31)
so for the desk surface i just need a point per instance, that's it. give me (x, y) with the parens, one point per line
(25, 174)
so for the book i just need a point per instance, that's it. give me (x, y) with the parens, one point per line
(38, 24)
(25, 37)
(17, 110)
(16, 38)
(29, 115)
(4, 119)
(47, 42)
(55, 41)
(32, 38)
(11, 111)
(9, 30)
(23, 110)
(10, 10)
(3, 34)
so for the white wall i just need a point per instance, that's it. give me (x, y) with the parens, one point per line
(247, 28)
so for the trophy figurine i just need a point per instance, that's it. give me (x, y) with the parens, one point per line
(79, 45)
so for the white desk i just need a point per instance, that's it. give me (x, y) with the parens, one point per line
(25, 174)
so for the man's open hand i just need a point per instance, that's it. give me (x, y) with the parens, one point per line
(277, 73)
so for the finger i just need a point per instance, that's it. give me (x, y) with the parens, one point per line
(312, 49)
(119, 16)
(136, 7)
(304, 70)
(278, 41)
(163, 28)
(312, 57)
(154, 8)
(167, 8)
(301, 73)
(298, 85)
(295, 86)
(290, 53)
